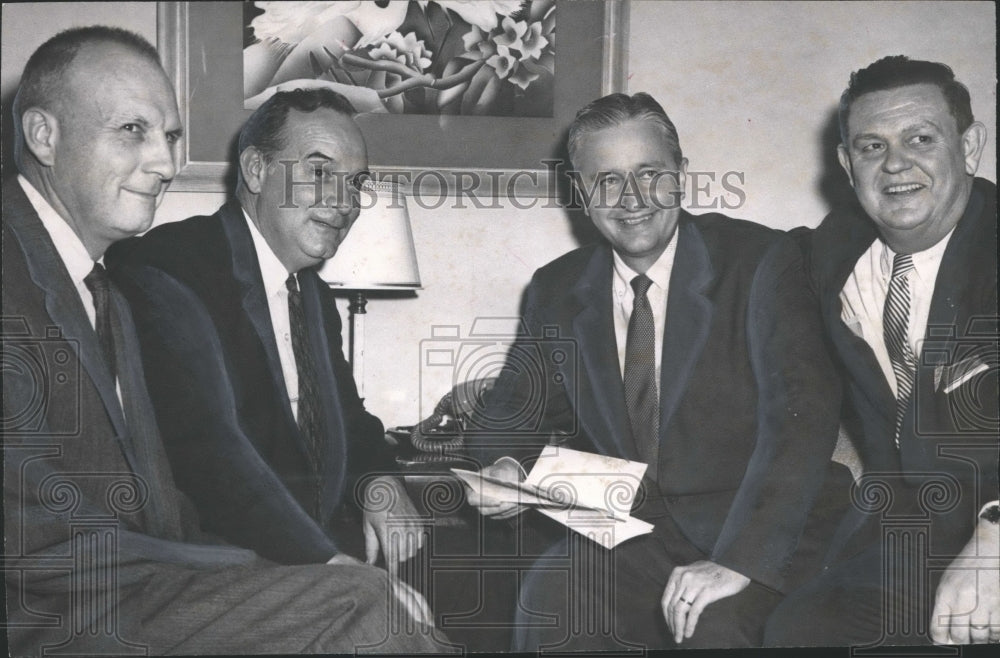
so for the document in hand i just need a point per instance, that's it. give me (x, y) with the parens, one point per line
(590, 494)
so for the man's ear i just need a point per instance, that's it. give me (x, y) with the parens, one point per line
(40, 129)
(682, 176)
(973, 142)
(576, 182)
(845, 162)
(253, 168)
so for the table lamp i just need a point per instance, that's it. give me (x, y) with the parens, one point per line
(378, 254)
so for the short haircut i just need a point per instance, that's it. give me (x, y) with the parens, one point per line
(42, 80)
(897, 71)
(265, 129)
(615, 109)
(42, 83)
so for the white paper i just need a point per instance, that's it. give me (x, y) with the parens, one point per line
(588, 493)
(598, 527)
(584, 479)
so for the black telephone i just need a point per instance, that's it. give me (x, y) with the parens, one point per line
(441, 432)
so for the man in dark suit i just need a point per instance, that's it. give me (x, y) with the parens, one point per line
(102, 552)
(691, 344)
(907, 281)
(242, 347)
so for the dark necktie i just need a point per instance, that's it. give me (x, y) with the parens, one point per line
(895, 325)
(309, 419)
(641, 394)
(99, 286)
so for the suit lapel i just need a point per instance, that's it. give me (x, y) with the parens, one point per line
(63, 304)
(601, 407)
(143, 438)
(958, 275)
(836, 259)
(961, 279)
(246, 271)
(835, 252)
(688, 317)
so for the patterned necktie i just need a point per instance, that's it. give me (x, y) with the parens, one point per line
(100, 288)
(309, 419)
(895, 325)
(641, 394)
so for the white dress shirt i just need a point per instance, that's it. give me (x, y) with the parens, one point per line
(863, 298)
(71, 251)
(274, 275)
(68, 245)
(623, 297)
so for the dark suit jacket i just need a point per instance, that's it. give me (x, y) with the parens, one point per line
(70, 457)
(102, 553)
(748, 410)
(212, 367)
(946, 466)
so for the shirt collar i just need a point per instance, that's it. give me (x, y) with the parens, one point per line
(272, 271)
(925, 263)
(68, 244)
(658, 272)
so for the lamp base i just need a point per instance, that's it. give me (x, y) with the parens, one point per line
(356, 345)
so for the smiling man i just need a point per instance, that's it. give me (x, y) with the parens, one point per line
(908, 288)
(242, 349)
(102, 552)
(696, 348)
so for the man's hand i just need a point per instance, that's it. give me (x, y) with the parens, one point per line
(410, 599)
(967, 601)
(691, 588)
(342, 559)
(506, 469)
(391, 522)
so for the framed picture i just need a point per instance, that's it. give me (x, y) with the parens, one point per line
(202, 44)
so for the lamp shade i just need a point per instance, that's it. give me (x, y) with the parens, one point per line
(378, 253)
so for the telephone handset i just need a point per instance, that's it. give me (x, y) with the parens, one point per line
(442, 430)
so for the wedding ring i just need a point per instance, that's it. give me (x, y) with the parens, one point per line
(975, 627)
(683, 600)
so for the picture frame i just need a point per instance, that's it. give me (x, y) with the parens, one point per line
(201, 48)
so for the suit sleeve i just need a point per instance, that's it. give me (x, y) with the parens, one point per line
(798, 407)
(527, 402)
(368, 451)
(214, 460)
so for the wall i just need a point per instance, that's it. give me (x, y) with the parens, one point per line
(473, 263)
(27, 24)
(751, 87)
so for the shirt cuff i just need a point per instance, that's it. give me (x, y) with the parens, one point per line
(991, 512)
(524, 474)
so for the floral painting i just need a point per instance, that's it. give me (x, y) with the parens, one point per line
(444, 57)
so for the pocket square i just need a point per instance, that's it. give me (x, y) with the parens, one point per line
(957, 374)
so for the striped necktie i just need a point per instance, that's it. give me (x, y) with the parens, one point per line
(309, 410)
(895, 325)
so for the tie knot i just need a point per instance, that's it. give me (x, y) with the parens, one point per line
(97, 280)
(902, 264)
(292, 284)
(640, 285)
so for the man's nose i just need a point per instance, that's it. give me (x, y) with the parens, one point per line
(159, 158)
(631, 199)
(896, 159)
(337, 194)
